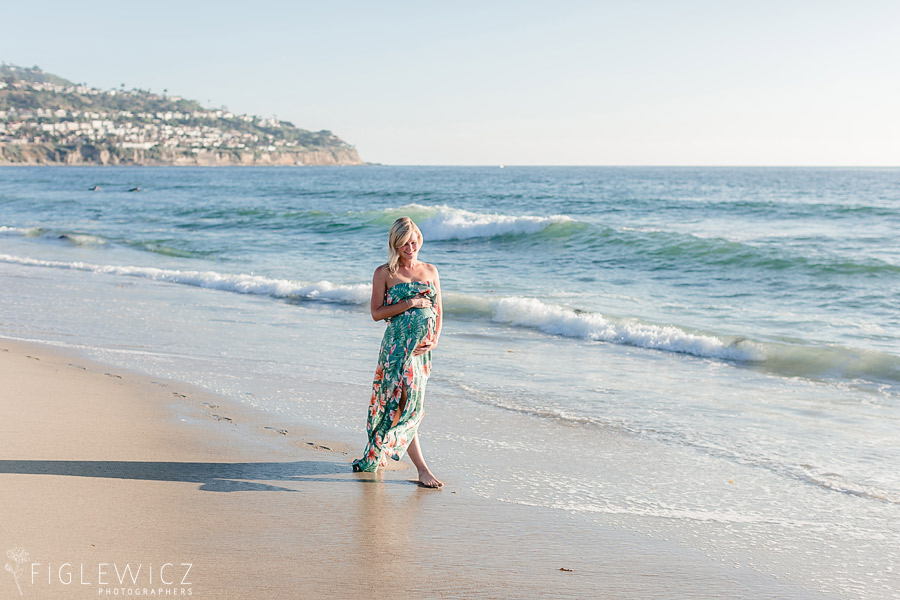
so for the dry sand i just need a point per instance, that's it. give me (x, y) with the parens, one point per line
(102, 470)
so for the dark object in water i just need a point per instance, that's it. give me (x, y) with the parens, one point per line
(135, 189)
(96, 188)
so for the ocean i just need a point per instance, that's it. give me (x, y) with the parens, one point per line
(709, 356)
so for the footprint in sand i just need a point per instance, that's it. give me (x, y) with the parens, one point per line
(220, 418)
(209, 405)
(113, 375)
(177, 395)
(32, 357)
(77, 366)
(318, 446)
(281, 431)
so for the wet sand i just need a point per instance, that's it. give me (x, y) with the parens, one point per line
(102, 469)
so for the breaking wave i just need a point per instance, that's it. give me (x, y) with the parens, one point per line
(443, 222)
(239, 283)
(558, 320)
(785, 359)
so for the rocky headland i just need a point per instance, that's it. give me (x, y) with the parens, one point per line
(47, 120)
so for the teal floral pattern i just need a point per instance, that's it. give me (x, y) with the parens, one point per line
(398, 368)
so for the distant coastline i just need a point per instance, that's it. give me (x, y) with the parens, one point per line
(48, 120)
(48, 154)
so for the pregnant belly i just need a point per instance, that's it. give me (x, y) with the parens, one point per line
(424, 313)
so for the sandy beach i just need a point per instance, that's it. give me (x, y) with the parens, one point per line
(646, 328)
(118, 484)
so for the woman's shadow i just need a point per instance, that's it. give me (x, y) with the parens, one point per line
(212, 477)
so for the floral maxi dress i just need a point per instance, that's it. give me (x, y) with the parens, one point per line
(398, 368)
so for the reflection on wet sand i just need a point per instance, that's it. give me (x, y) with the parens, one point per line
(389, 514)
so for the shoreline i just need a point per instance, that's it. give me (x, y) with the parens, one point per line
(103, 466)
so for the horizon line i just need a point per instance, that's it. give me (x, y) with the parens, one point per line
(478, 166)
(668, 166)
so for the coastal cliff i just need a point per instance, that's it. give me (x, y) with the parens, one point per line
(47, 120)
(88, 154)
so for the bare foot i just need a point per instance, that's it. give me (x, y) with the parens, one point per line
(427, 479)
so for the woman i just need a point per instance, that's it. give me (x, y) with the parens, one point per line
(407, 294)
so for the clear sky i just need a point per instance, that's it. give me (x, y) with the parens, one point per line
(534, 83)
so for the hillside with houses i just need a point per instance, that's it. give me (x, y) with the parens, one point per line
(45, 119)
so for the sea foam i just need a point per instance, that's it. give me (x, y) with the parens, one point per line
(240, 283)
(443, 222)
(558, 320)
(24, 231)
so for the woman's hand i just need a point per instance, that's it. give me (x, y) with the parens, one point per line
(426, 346)
(420, 301)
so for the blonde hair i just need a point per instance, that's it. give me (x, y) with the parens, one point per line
(401, 230)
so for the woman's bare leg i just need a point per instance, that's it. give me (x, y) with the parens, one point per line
(426, 477)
